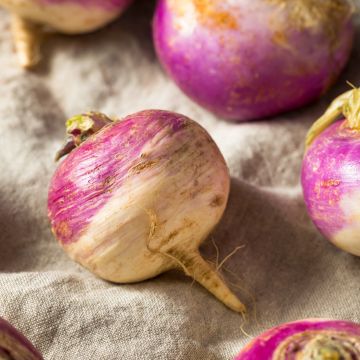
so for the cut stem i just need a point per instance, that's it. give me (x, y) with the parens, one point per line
(26, 36)
(347, 104)
(81, 127)
(197, 268)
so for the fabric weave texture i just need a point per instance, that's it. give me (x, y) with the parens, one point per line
(284, 271)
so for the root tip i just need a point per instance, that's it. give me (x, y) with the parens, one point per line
(27, 42)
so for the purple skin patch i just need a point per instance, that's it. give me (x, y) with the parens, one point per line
(85, 180)
(231, 58)
(103, 4)
(330, 172)
(9, 332)
(265, 345)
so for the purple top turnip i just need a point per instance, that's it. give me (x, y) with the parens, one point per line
(137, 197)
(331, 173)
(250, 59)
(14, 346)
(313, 339)
(66, 16)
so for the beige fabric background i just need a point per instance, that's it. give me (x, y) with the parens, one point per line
(68, 313)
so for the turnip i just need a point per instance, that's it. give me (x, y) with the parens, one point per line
(14, 346)
(137, 197)
(314, 339)
(250, 59)
(65, 16)
(331, 173)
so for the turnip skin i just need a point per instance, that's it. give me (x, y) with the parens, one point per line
(331, 183)
(313, 339)
(14, 345)
(249, 59)
(138, 197)
(65, 16)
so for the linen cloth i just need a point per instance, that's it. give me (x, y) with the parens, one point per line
(285, 270)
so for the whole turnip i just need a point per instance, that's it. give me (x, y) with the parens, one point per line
(249, 59)
(331, 172)
(136, 197)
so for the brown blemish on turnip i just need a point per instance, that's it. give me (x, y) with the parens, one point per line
(63, 230)
(143, 166)
(330, 183)
(154, 226)
(218, 200)
(281, 39)
(109, 180)
(210, 14)
(173, 234)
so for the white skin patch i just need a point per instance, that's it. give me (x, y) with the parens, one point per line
(68, 18)
(348, 238)
(187, 22)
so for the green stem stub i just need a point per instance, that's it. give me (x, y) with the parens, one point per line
(79, 128)
(347, 104)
